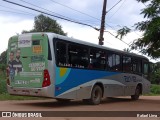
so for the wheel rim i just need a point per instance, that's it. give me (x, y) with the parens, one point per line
(96, 95)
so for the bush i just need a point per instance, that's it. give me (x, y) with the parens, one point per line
(155, 89)
(3, 87)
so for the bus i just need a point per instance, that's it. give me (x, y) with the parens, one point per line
(50, 65)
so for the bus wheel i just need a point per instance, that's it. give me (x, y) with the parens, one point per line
(137, 93)
(96, 95)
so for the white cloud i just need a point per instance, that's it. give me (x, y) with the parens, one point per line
(10, 28)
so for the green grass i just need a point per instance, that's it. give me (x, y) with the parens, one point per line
(3, 88)
(155, 90)
(6, 96)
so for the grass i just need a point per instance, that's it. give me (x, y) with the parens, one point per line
(155, 90)
(6, 96)
(3, 88)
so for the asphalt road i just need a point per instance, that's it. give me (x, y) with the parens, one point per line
(145, 103)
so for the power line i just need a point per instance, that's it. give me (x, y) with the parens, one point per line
(117, 38)
(43, 8)
(67, 7)
(50, 14)
(114, 6)
(16, 10)
(75, 10)
(80, 12)
(118, 9)
(145, 5)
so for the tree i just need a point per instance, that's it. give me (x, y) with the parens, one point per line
(155, 73)
(149, 43)
(3, 57)
(122, 32)
(46, 24)
(127, 50)
(3, 67)
(3, 61)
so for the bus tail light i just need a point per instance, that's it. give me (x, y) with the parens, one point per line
(46, 80)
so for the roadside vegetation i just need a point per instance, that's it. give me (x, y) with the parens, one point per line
(155, 90)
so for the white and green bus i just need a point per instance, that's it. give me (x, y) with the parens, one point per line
(51, 65)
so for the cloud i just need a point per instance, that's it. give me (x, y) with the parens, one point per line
(10, 28)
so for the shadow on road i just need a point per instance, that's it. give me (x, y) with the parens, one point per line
(56, 104)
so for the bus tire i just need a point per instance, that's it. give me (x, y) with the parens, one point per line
(137, 93)
(96, 95)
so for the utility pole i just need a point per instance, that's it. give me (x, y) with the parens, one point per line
(101, 39)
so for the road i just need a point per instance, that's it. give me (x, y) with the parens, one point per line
(145, 103)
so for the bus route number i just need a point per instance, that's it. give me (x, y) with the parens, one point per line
(130, 79)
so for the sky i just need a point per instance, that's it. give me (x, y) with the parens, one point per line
(14, 19)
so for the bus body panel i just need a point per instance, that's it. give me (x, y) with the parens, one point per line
(27, 60)
(115, 83)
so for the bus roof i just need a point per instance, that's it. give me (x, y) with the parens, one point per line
(54, 35)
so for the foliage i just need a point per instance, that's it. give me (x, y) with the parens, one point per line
(155, 90)
(46, 24)
(155, 73)
(122, 32)
(3, 88)
(150, 41)
(3, 67)
(127, 50)
(3, 61)
(3, 57)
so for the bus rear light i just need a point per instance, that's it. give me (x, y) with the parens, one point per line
(46, 80)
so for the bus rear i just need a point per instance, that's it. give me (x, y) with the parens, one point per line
(27, 70)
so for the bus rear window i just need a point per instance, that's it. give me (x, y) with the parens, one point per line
(36, 42)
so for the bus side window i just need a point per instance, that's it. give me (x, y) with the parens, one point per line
(61, 53)
(127, 67)
(97, 59)
(145, 69)
(78, 56)
(114, 62)
(136, 65)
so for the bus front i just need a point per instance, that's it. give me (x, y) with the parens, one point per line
(27, 69)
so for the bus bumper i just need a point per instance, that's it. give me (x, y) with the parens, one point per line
(38, 92)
